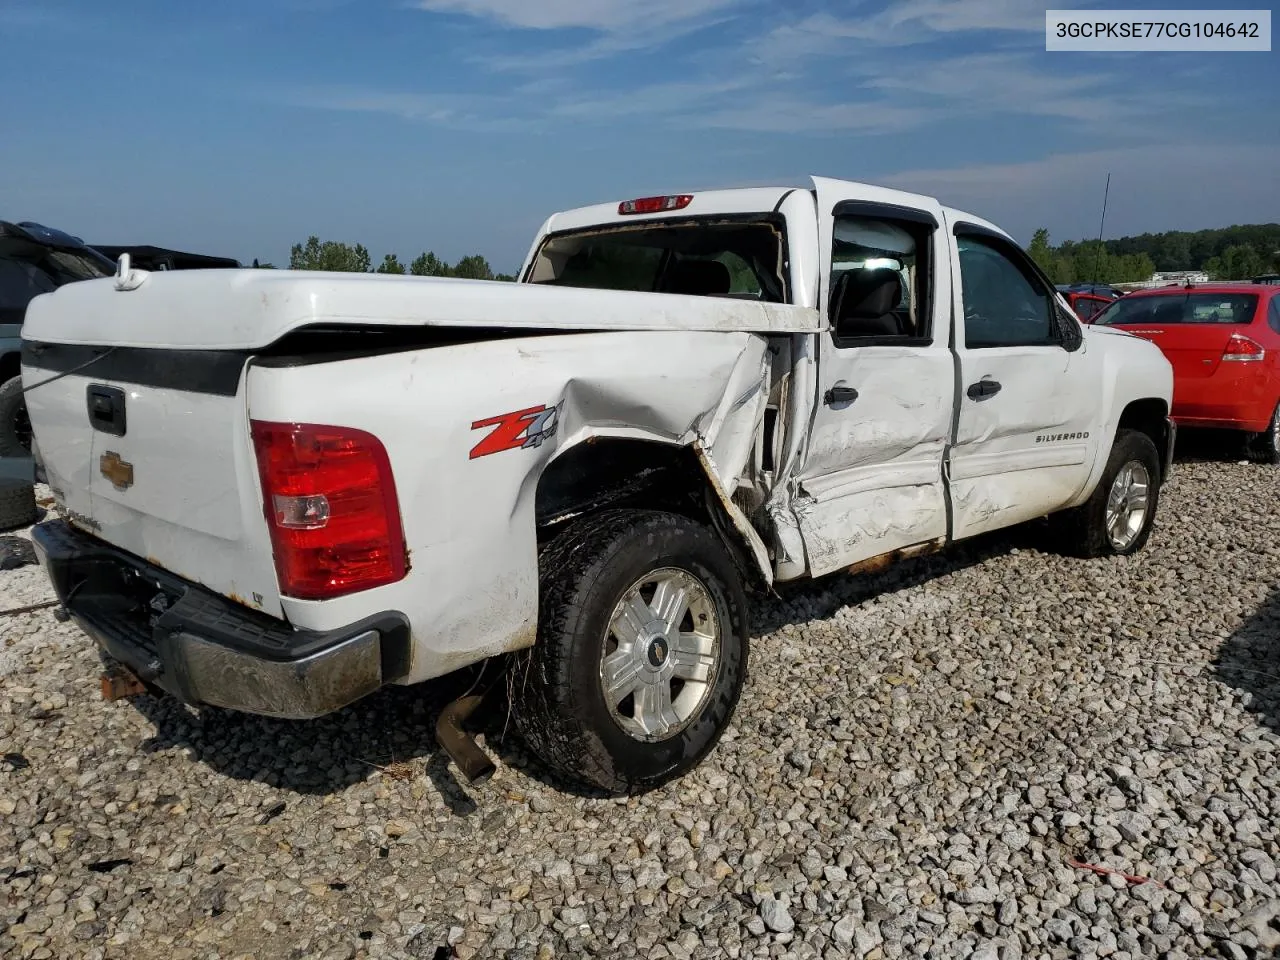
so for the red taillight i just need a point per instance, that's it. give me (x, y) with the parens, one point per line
(655, 204)
(1240, 347)
(330, 501)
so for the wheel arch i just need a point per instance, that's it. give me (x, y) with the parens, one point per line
(603, 472)
(1150, 416)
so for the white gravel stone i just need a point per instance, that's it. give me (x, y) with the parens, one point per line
(1138, 733)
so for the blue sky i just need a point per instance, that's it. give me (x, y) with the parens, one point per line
(239, 127)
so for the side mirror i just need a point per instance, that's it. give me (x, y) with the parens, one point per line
(1072, 336)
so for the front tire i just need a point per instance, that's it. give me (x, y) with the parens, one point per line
(641, 652)
(1264, 447)
(1117, 519)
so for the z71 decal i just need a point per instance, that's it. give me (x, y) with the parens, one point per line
(518, 429)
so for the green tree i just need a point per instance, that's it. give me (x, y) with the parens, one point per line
(429, 265)
(1239, 262)
(505, 277)
(1040, 250)
(329, 255)
(390, 264)
(474, 267)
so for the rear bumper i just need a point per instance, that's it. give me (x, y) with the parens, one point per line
(204, 649)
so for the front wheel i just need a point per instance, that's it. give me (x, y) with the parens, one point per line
(1264, 447)
(1117, 519)
(641, 652)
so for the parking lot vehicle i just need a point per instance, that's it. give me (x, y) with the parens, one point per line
(1224, 343)
(1089, 299)
(318, 484)
(150, 257)
(34, 259)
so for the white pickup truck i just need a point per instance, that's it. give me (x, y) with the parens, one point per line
(282, 490)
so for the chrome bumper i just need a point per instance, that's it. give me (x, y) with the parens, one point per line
(203, 648)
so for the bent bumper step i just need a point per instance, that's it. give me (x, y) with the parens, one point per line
(207, 650)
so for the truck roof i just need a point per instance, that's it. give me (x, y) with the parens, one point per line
(738, 200)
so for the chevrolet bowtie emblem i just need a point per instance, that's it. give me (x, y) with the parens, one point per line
(119, 472)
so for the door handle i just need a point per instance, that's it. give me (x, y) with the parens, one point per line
(983, 389)
(840, 394)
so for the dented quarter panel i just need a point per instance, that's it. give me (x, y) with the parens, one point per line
(469, 523)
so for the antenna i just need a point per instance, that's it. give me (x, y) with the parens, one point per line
(1097, 261)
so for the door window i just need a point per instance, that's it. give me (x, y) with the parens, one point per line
(1004, 304)
(879, 280)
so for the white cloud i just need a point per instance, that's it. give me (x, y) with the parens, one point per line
(739, 103)
(671, 99)
(784, 114)
(606, 16)
(953, 16)
(899, 23)
(475, 112)
(1159, 187)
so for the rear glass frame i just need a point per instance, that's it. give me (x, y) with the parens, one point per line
(773, 220)
(1149, 307)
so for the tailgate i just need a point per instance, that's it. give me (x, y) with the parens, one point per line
(149, 450)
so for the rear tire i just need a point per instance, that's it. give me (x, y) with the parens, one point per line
(15, 425)
(1117, 519)
(626, 689)
(1264, 447)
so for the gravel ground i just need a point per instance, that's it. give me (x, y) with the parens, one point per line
(919, 764)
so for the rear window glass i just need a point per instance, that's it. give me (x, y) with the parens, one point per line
(1182, 308)
(741, 260)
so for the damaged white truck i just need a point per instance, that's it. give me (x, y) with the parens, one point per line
(280, 491)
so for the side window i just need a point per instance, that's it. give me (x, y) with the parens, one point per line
(1273, 315)
(881, 283)
(1004, 305)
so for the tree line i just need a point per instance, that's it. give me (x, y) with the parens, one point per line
(1227, 253)
(317, 254)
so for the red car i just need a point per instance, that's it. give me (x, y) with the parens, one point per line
(1224, 343)
(1087, 306)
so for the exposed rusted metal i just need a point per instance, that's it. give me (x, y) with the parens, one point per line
(749, 537)
(460, 745)
(883, 561)
(120, 683)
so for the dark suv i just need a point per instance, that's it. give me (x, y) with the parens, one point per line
(34, 259)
